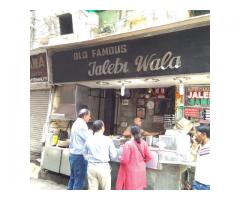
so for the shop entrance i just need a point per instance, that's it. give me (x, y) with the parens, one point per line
(109, 111)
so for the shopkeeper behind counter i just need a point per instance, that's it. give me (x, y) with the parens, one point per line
(137, 121)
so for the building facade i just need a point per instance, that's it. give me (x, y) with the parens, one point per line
(123, 64)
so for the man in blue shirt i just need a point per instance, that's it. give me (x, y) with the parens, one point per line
(99, 150)
(79, 134)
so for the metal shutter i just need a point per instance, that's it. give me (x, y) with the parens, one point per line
(39, 100)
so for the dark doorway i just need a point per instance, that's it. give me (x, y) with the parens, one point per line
(109, 111)
(66, 25)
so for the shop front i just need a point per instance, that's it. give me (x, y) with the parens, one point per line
(160, 79)
(39, 100)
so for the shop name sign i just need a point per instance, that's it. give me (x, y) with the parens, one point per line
(197, 96)
(182, 52)
(141, 63)
(152, 62)
(38, 68)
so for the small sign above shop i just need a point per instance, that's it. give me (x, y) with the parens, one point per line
(191, 112)
(38, 68)
(197, 96)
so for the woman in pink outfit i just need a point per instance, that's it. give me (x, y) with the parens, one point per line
(132, 170)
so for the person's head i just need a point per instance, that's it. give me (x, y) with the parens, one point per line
(98, 125)
(203, 134)
(85, 114)
(135, 131)
(137, 121)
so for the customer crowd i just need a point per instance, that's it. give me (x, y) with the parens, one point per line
(91, 151)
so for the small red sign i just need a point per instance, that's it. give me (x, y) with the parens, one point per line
(191, 112)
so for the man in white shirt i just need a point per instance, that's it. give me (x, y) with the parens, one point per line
(79, 134)
(202, 173)
(99, 150)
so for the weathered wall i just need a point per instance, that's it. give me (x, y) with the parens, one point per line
(45, 27)
(91, 98)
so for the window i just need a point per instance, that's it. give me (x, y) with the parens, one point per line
(66, 25)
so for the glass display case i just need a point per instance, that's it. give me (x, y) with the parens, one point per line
(174, 148)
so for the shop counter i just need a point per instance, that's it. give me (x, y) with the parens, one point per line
(160, 175)
(56, 159)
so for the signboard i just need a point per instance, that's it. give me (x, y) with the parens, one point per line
(38, 68)
(197, 96)
(181, 52)
(191, 112)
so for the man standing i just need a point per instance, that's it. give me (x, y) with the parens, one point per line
(79, 134)
(202, 173)
(137, 121)
(99, 150)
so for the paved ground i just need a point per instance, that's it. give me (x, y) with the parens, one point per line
(46, 180)
(45, 184)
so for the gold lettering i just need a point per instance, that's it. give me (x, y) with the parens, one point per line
(124, 48)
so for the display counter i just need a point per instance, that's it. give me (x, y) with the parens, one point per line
(161, 174)
(167, 175)
(56, 159)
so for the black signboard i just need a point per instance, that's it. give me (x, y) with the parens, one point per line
(181, 52)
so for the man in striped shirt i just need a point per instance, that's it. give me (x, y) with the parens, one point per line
(202, 173)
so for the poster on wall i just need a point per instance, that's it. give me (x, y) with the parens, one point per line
(140, 102)
(141, 112)
(197, 96)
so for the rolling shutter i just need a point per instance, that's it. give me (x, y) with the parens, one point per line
(39, 100)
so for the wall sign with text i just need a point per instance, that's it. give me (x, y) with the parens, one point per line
(38, 68)
(197, 96)
(181, 52)
(191, 112)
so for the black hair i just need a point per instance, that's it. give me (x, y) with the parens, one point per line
(204, 129)
(97, 125)
(83, 112)
(135, 130)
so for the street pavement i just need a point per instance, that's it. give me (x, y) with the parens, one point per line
(36, 183)
(46, 180)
